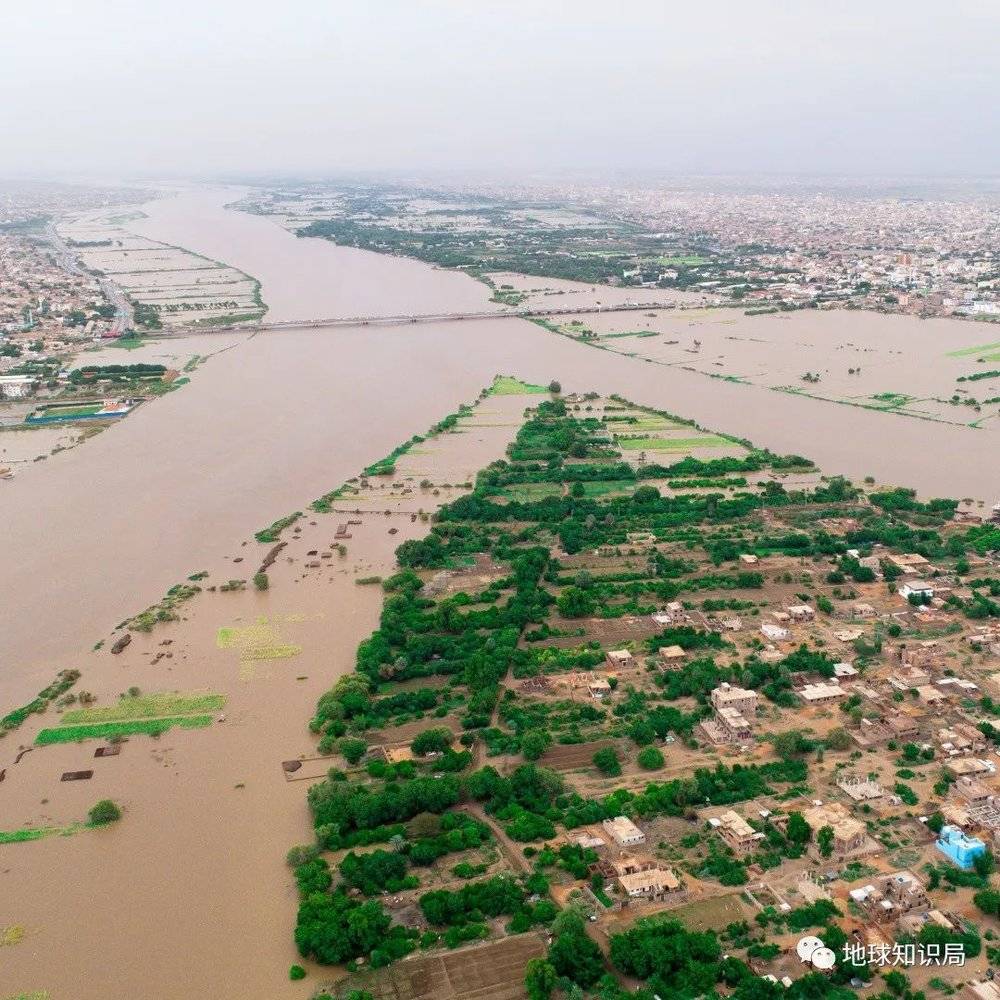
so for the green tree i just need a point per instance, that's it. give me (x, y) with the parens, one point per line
(352, 749)
(988, 901)
(104, 812)
(650, 759)
(606, 761)
(576, 956)
(534, 743)
(575, 603)
(824, 839)
(539, 979)
(895, 982)
(798, 830)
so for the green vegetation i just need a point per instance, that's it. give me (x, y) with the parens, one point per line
(673, 444)
(505, 385)
(104, 812)
(584, 548)
(165, 611)
(272, 533)
(148, 706)
(117, 730)
(966, 352)
(117, 374)
(65, 679)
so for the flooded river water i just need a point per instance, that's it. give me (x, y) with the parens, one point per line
(285, 416)
(101, 531)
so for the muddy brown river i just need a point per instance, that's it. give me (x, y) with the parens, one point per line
(189, 897)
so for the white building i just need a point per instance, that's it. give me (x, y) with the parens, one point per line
(16, 386)
(624, 832)
(920, 588)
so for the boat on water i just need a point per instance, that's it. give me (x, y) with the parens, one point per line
(6, 472)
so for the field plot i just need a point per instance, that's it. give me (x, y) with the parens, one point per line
(147, 715)
(569, 757)
(711, 914)
(492, 971)
(901, 365)
(168, 286)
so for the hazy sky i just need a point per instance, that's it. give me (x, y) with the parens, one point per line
(164, 86)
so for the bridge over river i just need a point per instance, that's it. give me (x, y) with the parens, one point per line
(355, 321)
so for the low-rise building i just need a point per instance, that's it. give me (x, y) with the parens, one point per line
(619, 659)
(909, 562)
(774, 633)
(821, 694)
(961, 849)
(930, 695)
(729, 696)
(599, 689)
(800, 612)
(17, 386)
(981, 989)
(624, 832)
(727, 726)
(671, 657)
(860, 789)
(972, 791)
(654, 883)
(909, 677)
(736, 832)
(850, 837)
(917, 589)
(967, 766)
(891, 896)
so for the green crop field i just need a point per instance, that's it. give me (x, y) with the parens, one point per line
(71, 411)
(631, 333)
(600, 489)
(672, 444)
(506, 386)
(110, 730)
(528, 492)
(968, 351)
(28, 833)
(147, 706)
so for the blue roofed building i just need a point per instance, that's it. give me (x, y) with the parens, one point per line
(958, 847)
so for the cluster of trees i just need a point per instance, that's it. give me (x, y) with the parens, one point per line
(493, 897)
(333, 928)
(376, 871)
(340, 808)
(115, 373)
(474, 640)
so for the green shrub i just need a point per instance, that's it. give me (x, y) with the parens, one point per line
(104, 812)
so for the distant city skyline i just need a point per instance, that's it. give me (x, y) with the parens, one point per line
(893, 89)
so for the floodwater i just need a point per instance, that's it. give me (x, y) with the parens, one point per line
(283, 417)
(187, 896)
